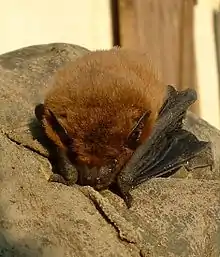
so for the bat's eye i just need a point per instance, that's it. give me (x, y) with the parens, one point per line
(134, 138)
(135, 134)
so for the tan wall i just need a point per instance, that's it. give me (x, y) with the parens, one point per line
(206, 61)
(28, 22)
(88, 23)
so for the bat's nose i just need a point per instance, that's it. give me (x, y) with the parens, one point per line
(97, 177)
(87, 175)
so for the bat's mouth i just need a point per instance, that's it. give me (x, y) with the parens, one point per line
(98, 177)
(169, 146)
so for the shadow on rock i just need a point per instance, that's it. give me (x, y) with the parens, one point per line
(24, 248)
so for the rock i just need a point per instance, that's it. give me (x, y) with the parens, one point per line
(169, 217)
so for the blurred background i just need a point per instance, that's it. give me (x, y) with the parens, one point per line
(182, 36)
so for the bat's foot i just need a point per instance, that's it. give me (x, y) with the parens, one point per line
(65, 176)
(57, 178)
(60, 179)
(66, 168)
(62, 166)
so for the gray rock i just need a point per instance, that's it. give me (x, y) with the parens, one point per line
(169, 217)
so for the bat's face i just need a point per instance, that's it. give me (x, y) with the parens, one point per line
(107, 149)
(100, 155)
(101, 147)
(108, 141)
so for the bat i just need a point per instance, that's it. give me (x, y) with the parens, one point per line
(110, 120)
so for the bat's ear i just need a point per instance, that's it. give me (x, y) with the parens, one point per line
(133, 139)
(177, 101)
(39, 112)
(58, 127)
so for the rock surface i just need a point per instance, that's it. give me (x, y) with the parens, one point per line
(178, 216)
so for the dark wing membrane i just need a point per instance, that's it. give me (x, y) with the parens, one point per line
(168, 147)
(184, 98)
(149, 152)
(184, 146)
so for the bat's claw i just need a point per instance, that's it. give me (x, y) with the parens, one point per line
(187, 166)
(127, 198)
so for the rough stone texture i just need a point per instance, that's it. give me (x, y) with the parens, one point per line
(179, 216)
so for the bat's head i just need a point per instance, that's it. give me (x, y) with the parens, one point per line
(100, 106)
(100, 140)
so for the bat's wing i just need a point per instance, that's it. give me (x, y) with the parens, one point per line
(182, 147)
(168, 148)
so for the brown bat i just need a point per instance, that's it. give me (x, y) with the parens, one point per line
(112, 121)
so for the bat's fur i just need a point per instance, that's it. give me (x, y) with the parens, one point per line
(98, 99)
